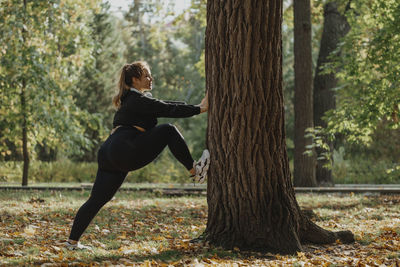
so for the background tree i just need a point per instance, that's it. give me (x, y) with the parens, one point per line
(98, 77)
(44, 47)
(288, 63)
(334, 28)
(304, 163)
(251, 202)
(366, 65)
(76, 49)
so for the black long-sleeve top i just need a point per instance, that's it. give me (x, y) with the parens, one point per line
(140, 110)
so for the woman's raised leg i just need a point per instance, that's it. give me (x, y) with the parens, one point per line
(150, 144)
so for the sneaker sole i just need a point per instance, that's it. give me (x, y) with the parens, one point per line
(205, 168)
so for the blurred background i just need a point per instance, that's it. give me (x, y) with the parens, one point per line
(60, 61)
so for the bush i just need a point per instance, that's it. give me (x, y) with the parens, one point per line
(164, 169)
(361, 169)
(62, 171)
(55, 171)
(10, 171)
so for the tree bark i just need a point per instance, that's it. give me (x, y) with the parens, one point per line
(335, 27)
(304, 165)
(251, 200)
(25, 151)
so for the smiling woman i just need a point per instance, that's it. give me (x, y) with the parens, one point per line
(136, 75)
(137, 140)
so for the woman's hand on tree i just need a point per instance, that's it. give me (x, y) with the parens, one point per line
(204, 104)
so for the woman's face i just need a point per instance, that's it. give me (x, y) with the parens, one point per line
(145, 82)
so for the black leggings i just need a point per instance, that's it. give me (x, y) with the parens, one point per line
(126, 150)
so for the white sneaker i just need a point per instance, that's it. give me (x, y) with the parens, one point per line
(201, 167)
(76, 246)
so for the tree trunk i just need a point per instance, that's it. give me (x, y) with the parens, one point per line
(251, 201)
(335, 27)
(25, 152)
(304, 165)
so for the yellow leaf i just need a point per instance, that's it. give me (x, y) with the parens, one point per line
(147, 263)
(179, 219)
(158, 238)
(122, 236)
(207, 261)
(301, 256)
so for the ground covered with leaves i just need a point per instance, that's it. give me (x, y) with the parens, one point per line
(143, 229)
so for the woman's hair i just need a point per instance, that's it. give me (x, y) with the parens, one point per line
(134, 69)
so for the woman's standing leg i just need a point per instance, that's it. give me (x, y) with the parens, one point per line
(144, 149)
(104, 188)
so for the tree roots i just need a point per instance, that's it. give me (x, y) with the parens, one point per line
(312, 233)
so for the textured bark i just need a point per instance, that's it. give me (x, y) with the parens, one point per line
(335, 27)
(251, 201)
(304, 165)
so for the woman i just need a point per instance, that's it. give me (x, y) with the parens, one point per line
(136, 140)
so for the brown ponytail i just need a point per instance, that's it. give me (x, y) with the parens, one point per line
(128, 72)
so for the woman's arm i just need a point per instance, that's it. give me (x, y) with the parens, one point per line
(145, 105)
(148, 94)
(141, 104)
(203, 105)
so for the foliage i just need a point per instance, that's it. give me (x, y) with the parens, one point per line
(375, 163)
(361, 169)
(45, 45)
(366, 64)
(53, 171)
(98, 77)
(368, 69)
(137, 229)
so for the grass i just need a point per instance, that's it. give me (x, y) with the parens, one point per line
(141, 228)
